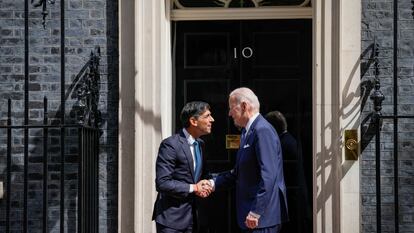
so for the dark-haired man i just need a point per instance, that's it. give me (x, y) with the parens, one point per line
(179, 169)
(292, 152)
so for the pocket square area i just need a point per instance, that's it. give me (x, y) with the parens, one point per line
(245, 146)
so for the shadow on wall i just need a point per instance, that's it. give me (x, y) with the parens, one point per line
(368, 126)
(330, 167)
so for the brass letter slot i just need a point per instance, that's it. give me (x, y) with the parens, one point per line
(232, 141)
(351, 144)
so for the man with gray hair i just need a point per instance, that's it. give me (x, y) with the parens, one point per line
(258, 173)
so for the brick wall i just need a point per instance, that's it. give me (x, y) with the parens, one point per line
(88, 24)
(377, 22)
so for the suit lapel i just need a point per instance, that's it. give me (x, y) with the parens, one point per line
(252, 129)
(249, 134)
(187, 153)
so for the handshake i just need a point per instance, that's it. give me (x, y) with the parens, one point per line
(203, 188)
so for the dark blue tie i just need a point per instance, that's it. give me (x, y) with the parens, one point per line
(243, 137)
(197, 158)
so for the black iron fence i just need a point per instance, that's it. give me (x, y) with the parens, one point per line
(85, 159)
(396, 124)
(51, 173)
(50, 167)
(88, 180)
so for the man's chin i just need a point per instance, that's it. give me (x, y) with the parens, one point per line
(206, 132)
(238, 126)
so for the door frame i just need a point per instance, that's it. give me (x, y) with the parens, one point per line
(145, 110)
(242, 13)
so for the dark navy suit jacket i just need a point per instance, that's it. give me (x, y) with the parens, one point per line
(175, 206)
(258, 177)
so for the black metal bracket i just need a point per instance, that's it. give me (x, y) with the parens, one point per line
(43, 3)
(87, 93)
(377, 96)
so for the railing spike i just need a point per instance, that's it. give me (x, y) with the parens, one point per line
(9, 111)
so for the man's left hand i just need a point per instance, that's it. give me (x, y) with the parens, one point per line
(251, 221)
(203, 188)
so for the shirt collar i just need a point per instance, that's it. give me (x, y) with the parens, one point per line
(250, 122)
(188, 136)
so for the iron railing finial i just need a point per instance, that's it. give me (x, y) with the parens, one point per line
(377, 96)
(88, 93)
(43, 3)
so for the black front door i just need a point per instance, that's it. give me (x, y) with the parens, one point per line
(273, 58)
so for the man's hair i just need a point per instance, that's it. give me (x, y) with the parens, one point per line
(278, 121)
(244, 94)
(192, 109)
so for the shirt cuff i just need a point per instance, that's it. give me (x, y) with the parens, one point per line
(212, 184)
(191, 189)
(254, 214)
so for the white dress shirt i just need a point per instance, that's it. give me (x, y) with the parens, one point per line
(190, 141)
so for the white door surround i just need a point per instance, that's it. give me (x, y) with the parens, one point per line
(145, 110)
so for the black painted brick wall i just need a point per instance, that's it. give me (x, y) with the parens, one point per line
(88, 24)
(377, 22)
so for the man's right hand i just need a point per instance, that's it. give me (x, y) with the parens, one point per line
(203, 188)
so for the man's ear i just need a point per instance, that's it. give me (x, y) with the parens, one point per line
(193, 121)
(243, 106)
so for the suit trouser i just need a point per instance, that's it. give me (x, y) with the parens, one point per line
(273, 229)
(164, 229)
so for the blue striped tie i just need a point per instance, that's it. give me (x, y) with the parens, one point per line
(197, 158)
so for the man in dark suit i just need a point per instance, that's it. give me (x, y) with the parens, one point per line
(292, 154)
(179, 170)
(258, 174)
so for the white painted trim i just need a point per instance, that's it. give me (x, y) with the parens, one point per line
(153, 80)
(350, 106)
(242, 13)
(336, 107)
(166, 74)
(326, 115)
(126, 139)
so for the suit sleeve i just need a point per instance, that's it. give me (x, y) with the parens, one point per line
(225, 180)
(268, 156)
(205, 174)
(165, 182)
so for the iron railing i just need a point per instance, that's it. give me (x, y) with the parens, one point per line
(87, 162)
(83, 154)
(377, 120)
(48, 162)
